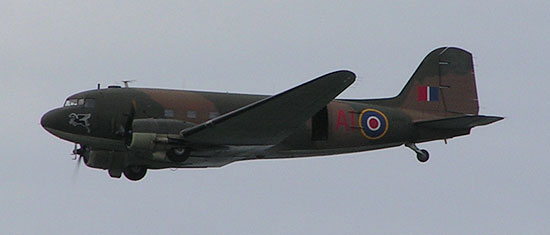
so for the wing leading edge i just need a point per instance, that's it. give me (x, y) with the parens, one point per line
(270, 120)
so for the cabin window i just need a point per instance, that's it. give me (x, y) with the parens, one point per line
(89, 103)
(192, 114)
(80, 102)
(169, 113)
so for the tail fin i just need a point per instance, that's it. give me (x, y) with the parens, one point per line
(442, 86)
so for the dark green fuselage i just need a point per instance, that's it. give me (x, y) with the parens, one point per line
(333, 130)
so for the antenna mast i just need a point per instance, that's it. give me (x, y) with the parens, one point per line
(126, 82)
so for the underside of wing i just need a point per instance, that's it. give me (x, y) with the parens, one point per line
(269, 121)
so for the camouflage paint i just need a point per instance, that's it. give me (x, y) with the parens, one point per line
(448, 70)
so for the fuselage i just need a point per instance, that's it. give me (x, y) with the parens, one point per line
(98, 119)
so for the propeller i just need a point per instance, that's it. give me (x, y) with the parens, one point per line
(77, 155)
(77, 167)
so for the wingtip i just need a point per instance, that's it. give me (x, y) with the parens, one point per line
(346, 72)
(349, 75)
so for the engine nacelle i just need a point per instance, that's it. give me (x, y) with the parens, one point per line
(153, 134)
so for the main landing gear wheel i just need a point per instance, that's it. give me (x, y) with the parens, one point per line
(421, 154)
(135, 173)
(178, 154)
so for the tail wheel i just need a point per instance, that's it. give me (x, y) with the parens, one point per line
(423, 155)
(135, 173)
(178, 154)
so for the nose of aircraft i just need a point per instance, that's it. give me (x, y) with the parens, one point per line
(48, 120)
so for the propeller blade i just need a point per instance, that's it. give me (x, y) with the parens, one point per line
(75, 151)
(77, 168)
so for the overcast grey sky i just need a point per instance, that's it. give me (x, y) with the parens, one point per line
(494, 181)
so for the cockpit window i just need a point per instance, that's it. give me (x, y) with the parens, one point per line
(71, 102)
(87, 103)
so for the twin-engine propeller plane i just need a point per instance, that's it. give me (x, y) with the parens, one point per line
(131, 130)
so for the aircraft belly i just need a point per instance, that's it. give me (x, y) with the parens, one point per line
(325, 152)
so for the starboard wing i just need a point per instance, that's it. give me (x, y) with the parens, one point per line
(270, 120)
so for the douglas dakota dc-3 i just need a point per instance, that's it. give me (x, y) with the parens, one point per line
(130, 130)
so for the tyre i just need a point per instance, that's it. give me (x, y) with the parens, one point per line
(135, 173)
(423, 156)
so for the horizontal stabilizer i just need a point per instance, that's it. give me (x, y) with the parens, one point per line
(269, 121)
(462, 122)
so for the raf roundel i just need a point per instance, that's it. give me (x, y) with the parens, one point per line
(373, 123)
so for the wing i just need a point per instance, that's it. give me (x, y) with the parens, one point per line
(270, 120)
